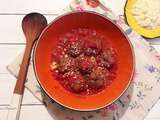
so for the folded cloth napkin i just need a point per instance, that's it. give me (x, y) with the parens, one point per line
(139, 98)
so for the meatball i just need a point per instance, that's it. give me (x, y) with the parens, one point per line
(75, 48)
(77, 83)
(102, 62)
(86, 64)
(109, 55)
(99, 73)
(78, 86)
(96, 83)
(66, 64)
(107, 59)
(98, 77)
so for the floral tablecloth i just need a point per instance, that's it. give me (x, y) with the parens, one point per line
(137, 100)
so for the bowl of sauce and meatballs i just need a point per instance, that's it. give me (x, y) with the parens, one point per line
(83, 61)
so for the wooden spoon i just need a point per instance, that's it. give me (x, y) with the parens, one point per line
(32, 25)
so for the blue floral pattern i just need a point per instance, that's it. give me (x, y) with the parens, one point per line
(151, 68)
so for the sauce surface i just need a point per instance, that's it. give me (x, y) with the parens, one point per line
(83, 63)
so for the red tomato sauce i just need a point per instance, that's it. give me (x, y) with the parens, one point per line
(82, 64)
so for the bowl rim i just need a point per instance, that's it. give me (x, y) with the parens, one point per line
(118, 27)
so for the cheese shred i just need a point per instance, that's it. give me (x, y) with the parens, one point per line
(147, 13)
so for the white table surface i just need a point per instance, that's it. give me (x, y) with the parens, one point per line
(12, 42)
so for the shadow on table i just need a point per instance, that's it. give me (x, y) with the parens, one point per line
(113, 112)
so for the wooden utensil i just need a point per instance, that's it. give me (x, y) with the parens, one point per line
(32, 26)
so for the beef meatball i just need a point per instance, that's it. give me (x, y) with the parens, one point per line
(66, 64)
(98, 77)
(86, 64)
(107, 59)
(75, 48)
(96, 83)
(109, 55)
(77, 83)
(102, 62)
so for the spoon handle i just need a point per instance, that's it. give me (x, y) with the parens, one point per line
(15, 105)
(14, 108)
(19, 87)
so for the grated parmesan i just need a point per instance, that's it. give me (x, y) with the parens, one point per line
(147, 13)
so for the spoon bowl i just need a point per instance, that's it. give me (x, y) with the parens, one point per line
(32, 26)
